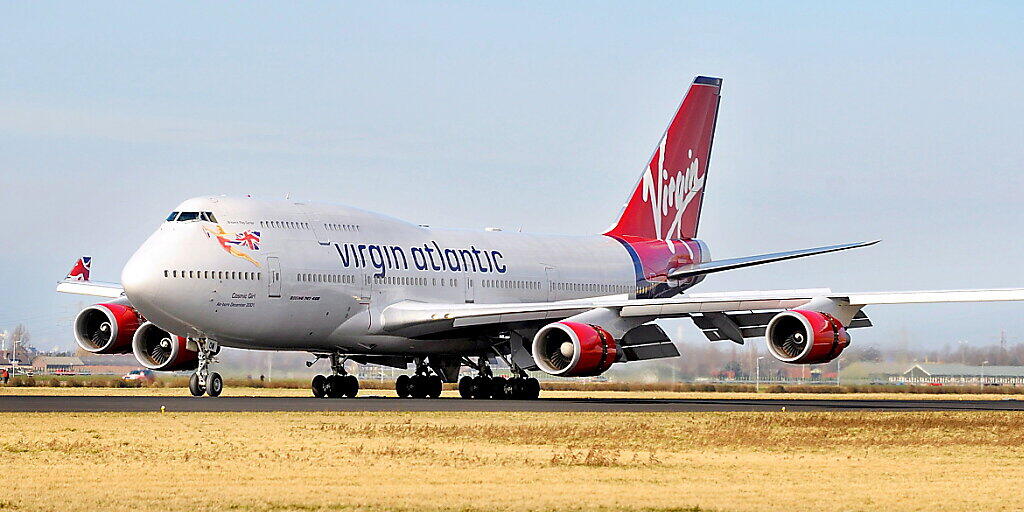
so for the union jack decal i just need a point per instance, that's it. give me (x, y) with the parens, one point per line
(248, 239)
(231, 242)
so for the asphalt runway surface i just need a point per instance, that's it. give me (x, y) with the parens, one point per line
(29, 403)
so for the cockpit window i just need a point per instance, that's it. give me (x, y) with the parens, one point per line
(187, 216)
(170, 218)
(208, 216)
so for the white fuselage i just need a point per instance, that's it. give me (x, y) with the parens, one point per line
(283, 275)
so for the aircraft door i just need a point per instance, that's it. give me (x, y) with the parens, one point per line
(552, 277)
(273, 277)
(470, 287)
(314, 222)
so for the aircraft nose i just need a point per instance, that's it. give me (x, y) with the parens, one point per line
(137, 276)
(140, 276)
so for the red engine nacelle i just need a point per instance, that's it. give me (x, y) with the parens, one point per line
(806, 337)
(157, 349)
(573, 349)
(106, 328)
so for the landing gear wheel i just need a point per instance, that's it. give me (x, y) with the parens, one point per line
(418, 386)
(333, 386)
(466, 387)
(514, 388)
(434, 386)
(214, 384)
(481, 387)
(194, 386)
(498, 388)
(402, 386)
(532, 388)
(318, 386)
(351, 385)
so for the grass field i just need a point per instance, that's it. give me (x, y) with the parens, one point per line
(511, 461)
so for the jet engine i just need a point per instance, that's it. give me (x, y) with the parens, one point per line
(106, 328)
(157, 349)
(574, 349)
(806, 337)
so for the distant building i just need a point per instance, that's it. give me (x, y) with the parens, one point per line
(961, 375)
(57, 364)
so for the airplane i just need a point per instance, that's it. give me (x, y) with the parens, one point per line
(345, 284)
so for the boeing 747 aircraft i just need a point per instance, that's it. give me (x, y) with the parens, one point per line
(347, 284)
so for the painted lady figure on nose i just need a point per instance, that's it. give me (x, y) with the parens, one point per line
(231, 242)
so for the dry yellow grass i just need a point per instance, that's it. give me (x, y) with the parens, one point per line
(717, 395)
(511, 461)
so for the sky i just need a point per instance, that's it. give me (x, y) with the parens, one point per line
(901, 121)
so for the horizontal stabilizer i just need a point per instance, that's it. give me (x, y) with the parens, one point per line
(94, 288)
(709, 267)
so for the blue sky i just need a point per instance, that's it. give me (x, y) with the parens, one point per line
(898, 121)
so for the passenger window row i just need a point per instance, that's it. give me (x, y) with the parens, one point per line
(590, 287)
(325, 278)
(510, 284)
(284, 224)
(341, 227)
(214, 274)
(416, 281)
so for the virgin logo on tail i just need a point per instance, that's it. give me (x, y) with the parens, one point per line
(80, 272)
(666, 202)
(664, 192)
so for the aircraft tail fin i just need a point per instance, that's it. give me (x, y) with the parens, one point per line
(80, 270)
(666, 202)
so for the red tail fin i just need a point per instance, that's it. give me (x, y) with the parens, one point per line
(80, 272)
(666, 203)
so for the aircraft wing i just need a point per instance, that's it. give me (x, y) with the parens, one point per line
(734, 315)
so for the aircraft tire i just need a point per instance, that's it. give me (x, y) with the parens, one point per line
(532, 388)
(194, 386)
(318, 386)
(466, 387)
(481, 387)
(333, 386)
(498, 388)
(418, 386)
(512, 388)
(214, 384)
(434, 386)
(351, 385)
(402, 386)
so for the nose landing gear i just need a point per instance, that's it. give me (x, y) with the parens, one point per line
(337, 385)
(203, 380)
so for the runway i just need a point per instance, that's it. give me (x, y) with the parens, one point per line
(26, 403)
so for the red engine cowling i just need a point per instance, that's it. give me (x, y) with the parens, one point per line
(106, 328)
(573, 349)
(806, 337)
(157, 349)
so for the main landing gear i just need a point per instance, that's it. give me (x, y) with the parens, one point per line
(422, 384)
(203, 380)
(337, 385)
(486, 385)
